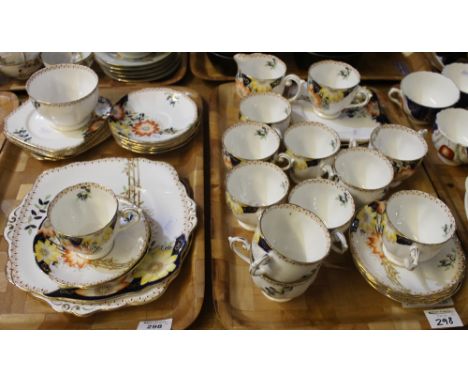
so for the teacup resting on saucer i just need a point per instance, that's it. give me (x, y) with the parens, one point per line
(66, 94)
(86, 218)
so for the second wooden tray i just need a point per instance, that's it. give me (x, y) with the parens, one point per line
(339, 298)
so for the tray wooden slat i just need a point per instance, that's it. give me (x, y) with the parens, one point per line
(184, 297)
(339, 298)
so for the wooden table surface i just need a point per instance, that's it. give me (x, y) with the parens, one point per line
(447, 183)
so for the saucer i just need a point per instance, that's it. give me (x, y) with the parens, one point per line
(26, 128)
(154, 118)
(71, 270)
(112, 59)
(431, 282)
(356, 124)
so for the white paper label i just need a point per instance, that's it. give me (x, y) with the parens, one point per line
(443, 318)
(442, 304)
(155, 325)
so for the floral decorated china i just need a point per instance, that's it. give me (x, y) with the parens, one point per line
(251, 187)
(404, 147)
(423, 94)
(28, 129)
(310, 146)
(86, 218)
(54, 58)
(153, 186)
(261, 73)
(65, 94)
(431, 282)
(352, 124)
(289, 244)
(332, 87)
(70, 269)
(365, 173)
(416, 226)
(450, 136)
(458, 73)
(20, 65)
(247, 141)
(269, 108)
(160, 268)
(153, 116)
(119, 61)
(331, 202)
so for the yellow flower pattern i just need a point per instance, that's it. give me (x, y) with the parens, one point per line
(298, 163)
(47, 252)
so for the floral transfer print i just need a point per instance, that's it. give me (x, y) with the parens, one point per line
(404, 169)
(133, 125)
(449, 151)
(37, 213)
(239, 208)
(84, 194)
(23, 134)
(449, 261)
(300, 163)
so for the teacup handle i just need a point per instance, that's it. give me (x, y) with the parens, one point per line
(342, 244)
(286, 158)
(127, 217)
(287, 80)
(364, 92)
(233, 240)
(328, 171)
(255, 267)
(396, 96)
(413, 261)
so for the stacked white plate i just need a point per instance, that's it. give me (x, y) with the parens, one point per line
(144, 67)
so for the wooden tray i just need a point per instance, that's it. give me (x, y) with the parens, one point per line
(10, 84)
(183, 299)
(372, 66)
(339, 298)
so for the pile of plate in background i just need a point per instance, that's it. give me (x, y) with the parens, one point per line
(138, 66)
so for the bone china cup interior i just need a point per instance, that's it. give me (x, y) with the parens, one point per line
(294, 242)
(403, 146)
(366, 173)
(252, 186)
(246, 141)
(451, 136)
(310, 145)
(458, 73)
(416, 220)
(269, 108)
(424, 94)
(65, 94)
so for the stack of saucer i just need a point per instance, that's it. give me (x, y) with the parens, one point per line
(62, 117)
(82, 263)
(154, 120)
(138, 67)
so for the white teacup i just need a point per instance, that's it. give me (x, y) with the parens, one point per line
(366, 173)
(333, 86)
(330, 202)
(86, 218)
(261, 73)
(450, 136)
(310, 146)
(269, 108)
(423, 94)
(289, 244)
(251, 187)
(458, 73)
(404, 147)
(65, 94)
(248, 141)
(416, 227)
